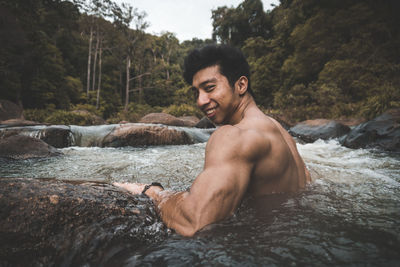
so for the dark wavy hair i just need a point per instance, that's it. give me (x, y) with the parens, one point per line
(231, 61)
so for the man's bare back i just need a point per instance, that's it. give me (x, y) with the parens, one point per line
(251, 154)
(279, 169)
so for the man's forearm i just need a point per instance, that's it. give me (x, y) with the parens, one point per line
(171, 209)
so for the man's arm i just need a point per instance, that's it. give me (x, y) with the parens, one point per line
(217, 191)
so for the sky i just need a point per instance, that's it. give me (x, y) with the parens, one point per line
(186, 18)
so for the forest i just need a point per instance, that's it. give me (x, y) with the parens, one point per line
(308, 58)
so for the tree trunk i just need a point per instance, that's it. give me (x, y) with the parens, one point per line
(99, 81)
(128, 66)
(89, 61)
(95, 60)
(167, 66)
(140, 89)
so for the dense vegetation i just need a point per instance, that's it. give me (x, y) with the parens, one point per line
(309, 58)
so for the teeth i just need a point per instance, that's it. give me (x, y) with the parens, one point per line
(210, 111)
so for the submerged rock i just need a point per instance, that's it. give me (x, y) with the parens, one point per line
(312, 130)
(382, 132)
(55, 223)
(25, 147)
(142, 135)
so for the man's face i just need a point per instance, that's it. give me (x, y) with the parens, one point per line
(215, 97)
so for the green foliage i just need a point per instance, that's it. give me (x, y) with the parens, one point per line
(63, 117)
(38, 115)
(235, 25)
(60, 117)
(183, 110)
(387, 97)
(308, 58)
(134, 113)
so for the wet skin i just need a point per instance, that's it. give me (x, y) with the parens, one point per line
(250, 154)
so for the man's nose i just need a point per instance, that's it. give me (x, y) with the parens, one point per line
(202, 99)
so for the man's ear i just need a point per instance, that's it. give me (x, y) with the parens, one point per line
(241, 85)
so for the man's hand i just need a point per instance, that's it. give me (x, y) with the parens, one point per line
(134, 188)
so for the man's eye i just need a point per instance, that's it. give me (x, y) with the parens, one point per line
(210, 88)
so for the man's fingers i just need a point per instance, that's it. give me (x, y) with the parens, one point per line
(134, 188)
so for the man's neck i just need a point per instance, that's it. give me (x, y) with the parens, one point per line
(246, 103)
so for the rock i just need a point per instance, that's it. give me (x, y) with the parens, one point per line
(189, 121)
(142, 135)
(312, 130)
(9, 110)
(56, 223)
(382, 132)
(205, 123)
(25, 147)
(162, 118)
(18, 123)
(56, 135)
(351, 122)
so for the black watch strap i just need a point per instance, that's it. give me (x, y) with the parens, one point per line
(150, 185)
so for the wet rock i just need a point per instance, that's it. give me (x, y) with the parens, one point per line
(142, 135)
(9, 110)
(162, 118)
(205, 123)
(312, 130)
(55, 223)
(25, 147)
(382, 132)
(58, 136)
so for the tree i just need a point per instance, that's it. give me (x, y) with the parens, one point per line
(235, 25)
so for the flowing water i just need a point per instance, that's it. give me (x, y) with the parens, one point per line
(348, 216)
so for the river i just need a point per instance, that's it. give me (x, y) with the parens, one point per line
(348, 216)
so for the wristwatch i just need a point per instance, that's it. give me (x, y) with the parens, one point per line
(150, 185)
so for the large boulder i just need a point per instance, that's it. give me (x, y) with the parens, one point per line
(312, 130)
(25, 147)
(9, 110)
(56, 135)
(162, 118)
(382, 132)
(143, 135)
(55, 223)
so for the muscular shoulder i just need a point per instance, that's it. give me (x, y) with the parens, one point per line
(232, 141)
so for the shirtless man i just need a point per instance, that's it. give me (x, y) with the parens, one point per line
(250, 154)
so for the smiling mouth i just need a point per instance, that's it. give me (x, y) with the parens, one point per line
(210, 112)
